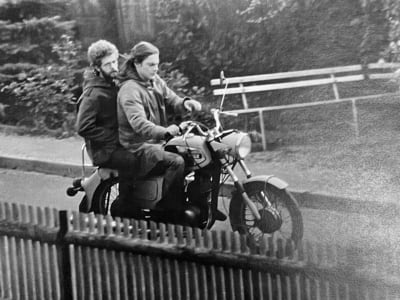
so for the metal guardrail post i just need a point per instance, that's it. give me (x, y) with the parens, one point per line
(65, 261)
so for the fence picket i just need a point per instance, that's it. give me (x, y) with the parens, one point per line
(15, 280)
(179, 235)
(124, 275)
(109, 227)
(189, 236)
(203, 282)
(22, 267)
(132, 285)
(92, 274)
(194, 288)
(92, 223)
(216, 240)
(7, 211)
(153, 231)
(100, 225)
(2, 211)
(46, 269)
(159, 292)
(105, 273)
(30, 269)
(117, 226)
(15, 212)
(76, 263)
(168, 279)
(149, 278)
(171, 233)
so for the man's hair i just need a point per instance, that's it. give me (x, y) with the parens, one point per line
(138, 54)
(98, 50)
(142, 50)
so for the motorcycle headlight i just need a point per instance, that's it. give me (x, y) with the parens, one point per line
(239, 142)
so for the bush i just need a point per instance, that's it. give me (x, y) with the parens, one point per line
(42, 99)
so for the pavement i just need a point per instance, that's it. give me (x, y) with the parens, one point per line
(63, 157)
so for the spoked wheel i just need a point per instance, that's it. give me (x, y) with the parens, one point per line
(280, 220)
(106, 193)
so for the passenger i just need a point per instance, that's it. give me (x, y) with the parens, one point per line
(97, 120)
(143, 100)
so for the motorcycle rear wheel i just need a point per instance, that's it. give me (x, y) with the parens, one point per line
(106, 193)
(243, 221)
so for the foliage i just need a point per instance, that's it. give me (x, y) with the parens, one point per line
(44, 94)
(32, 40)
(392, 8)
(253, 37)
(23, 10)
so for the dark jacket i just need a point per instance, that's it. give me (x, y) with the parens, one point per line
(97, 119)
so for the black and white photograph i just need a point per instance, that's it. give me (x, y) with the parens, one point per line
(199, 149)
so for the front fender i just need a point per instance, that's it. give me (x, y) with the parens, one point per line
(258, 181)
(262, 179)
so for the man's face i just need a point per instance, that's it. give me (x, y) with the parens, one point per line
(148, 68)
(109, 66)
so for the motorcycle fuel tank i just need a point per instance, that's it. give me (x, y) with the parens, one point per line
(193, 149)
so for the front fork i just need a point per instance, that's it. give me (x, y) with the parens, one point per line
(239, 186)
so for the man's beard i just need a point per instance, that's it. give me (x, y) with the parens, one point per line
(107, 77)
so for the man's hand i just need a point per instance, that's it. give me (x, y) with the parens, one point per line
(192, 105)
(172, 130)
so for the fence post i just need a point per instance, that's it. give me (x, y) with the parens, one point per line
(355, 118)
(65, 262)
(245, 106)
(262, 128)
(335, 88)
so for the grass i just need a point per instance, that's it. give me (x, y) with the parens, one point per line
(321, 141)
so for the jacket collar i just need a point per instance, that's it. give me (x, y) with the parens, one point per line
(90, 79)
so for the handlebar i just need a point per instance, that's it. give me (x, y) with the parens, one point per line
(187, 127)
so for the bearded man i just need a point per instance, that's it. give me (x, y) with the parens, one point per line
(97, 120)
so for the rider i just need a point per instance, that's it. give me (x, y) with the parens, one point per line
(143, 99)
(97, 120)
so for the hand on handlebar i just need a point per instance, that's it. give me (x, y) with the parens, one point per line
(172, 130)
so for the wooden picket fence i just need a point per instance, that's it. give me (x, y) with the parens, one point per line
(50, 254)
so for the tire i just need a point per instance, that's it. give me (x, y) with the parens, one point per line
(106, 193)
(242, 220)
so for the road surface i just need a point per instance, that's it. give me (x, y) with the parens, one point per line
(37, 189)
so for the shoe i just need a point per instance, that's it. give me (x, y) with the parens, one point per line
(192, 215)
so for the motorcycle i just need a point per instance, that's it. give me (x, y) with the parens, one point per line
(259, 205)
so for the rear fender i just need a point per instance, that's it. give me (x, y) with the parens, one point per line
(90, 184)
(261, 180)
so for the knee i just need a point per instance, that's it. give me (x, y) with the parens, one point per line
(178, 161)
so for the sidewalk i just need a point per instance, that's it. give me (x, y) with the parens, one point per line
(63, 157)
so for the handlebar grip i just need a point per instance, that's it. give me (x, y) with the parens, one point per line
(229, 114)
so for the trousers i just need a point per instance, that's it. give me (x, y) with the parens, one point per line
(127, 164)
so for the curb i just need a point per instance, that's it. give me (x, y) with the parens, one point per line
(305, 199)
(45, 167)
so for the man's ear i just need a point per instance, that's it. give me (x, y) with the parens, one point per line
(96, 70)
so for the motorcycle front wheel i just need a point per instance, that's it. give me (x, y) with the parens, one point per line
(281, 220)
(105, 194)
